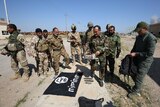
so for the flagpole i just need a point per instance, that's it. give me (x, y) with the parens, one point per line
(5, 6)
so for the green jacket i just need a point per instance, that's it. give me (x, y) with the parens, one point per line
(114, 44)
(144, 46)
(97, 44)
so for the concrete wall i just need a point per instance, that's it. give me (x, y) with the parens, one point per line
(3, 28)
(155, 28)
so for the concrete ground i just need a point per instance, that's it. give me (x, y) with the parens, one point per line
(24, 94)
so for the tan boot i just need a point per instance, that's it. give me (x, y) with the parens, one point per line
(16, 76)
(25, 77)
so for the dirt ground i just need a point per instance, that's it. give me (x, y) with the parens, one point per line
(24, 94)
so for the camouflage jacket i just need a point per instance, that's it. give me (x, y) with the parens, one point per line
(56, 43)
(41, 45)
(15, 42)
(87, 36)
(96, 43)
(74, 39)
(114, 44)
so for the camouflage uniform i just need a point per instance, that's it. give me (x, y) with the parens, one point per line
(32, 51)
(58, 49)
(97, 44)
(114, 49)
(41, 48)
(15, 47)
(89, 33)
(75, 42)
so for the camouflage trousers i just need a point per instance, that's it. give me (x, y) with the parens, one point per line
(43, 62)
(56, 58)
(73, 52)
(94, 65)
(20, 58)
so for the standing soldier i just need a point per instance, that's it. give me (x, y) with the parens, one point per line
(45, 35)
(142, 53)
(32, 52)
(114, 45)
(89, 33)
(75, 42)
(58, 49)
(97, 47)
(15, 48)
(41, 48)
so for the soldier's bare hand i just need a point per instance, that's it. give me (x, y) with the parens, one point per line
(133, 54)
(97, 53)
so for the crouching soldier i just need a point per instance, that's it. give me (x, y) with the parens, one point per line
(15, 48)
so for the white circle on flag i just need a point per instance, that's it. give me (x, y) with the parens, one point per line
(61, 80)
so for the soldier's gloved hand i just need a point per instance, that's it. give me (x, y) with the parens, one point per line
(117, 56)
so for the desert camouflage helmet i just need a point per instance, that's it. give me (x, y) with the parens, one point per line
(73, 26)
(90, 24)
(108, 25)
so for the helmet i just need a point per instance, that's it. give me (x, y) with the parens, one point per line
(108, 25)
(73, 26)
(90, 24)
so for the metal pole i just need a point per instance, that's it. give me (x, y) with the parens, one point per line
(66, 21)
(5, 6)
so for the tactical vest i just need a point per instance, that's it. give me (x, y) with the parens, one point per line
(14, 44)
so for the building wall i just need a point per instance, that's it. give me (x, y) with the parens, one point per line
(155, 29)
(3, 32)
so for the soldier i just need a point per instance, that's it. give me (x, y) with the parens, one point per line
(50, 63)
(58, 49)
(97, 47)
(114, 47)
(41, 48)
(32, 51)
(75, 42)
(142, 53)
(89, 33)
(15, 48)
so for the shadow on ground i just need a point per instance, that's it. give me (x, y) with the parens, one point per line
(154, 71)
(31, 69)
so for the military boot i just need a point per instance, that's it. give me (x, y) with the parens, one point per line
(16, 76)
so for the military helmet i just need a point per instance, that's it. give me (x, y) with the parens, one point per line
(108, 25)
(90, 24)
(73, 26)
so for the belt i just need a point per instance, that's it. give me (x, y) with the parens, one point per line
(56, 49)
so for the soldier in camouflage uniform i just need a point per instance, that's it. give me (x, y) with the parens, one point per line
(89, 33)
(114, 47)
(15, 48)
(58, 49)
(142, 54)
(50, 63)
(97, 47)
(41, 48)
(75, 43)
